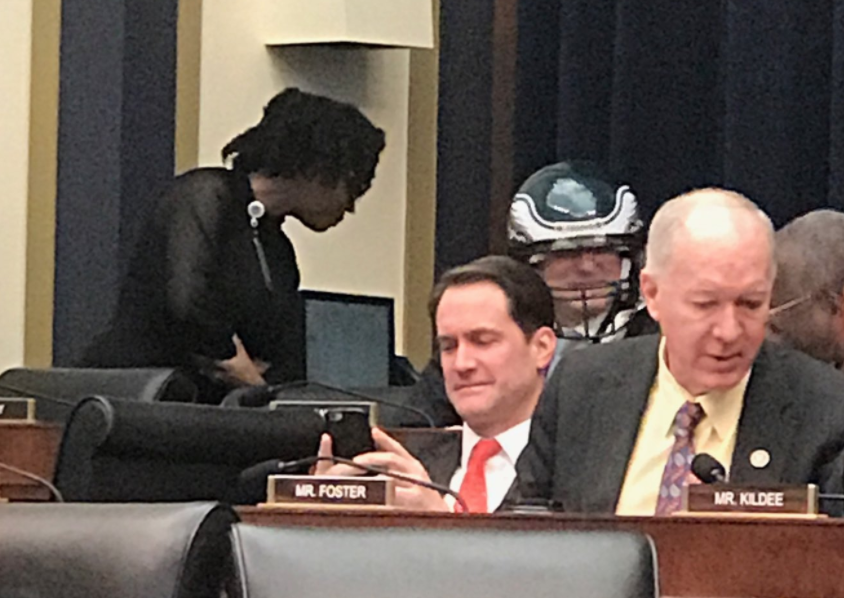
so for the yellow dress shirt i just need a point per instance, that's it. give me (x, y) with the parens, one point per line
(715, 434)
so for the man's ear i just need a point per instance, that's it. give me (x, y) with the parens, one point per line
(543, 342)
(648, 287)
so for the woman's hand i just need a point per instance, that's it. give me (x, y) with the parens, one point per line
(241, 370)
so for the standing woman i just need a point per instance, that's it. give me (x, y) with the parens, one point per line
(213, 285)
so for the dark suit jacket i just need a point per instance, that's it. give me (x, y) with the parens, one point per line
(587, 422)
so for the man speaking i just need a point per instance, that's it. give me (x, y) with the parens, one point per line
(619, 424)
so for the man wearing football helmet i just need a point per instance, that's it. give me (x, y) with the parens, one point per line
(582, 232)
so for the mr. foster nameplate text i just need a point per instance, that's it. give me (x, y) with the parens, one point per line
(340, 490)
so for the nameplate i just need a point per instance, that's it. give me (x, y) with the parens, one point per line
(733, 498)
(17, 410)
(320, 490)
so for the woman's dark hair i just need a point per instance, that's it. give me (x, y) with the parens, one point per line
(528, 297)
(310, 136)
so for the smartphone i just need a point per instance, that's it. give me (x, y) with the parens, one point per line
(350, 431)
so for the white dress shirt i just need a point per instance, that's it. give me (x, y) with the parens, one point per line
(500, 470)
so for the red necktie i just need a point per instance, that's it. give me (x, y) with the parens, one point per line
(473, 488)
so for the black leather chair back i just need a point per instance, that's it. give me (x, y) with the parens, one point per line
(74, 384)
(114, 551)
(439, 563)
(122, 451)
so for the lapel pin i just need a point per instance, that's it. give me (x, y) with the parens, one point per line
(760, 458)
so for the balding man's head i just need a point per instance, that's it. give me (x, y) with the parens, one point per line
(807, 296)
(704, 216)
(707, 281)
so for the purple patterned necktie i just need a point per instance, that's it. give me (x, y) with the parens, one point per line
(678, 467)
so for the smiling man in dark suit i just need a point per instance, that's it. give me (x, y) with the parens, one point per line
(618, 424)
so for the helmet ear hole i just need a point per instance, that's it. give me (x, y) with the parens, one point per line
(576, 206)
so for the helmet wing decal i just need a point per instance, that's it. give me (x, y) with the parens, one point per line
(528, 226)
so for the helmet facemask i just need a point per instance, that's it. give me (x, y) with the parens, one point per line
(598, 307)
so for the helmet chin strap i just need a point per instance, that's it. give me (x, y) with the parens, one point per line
(604, 327)
(626, 267)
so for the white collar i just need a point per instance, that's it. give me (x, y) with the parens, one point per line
(512, 441)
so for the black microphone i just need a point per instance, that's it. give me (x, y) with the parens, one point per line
(24, 392)
(708, 469)
(256, 396)
(252, 481)
(36, 478)
(47, 407)
(261, 471)
(274, 467)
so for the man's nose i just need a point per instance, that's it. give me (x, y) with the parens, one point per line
(586, 260)
(463, 358)
(727, 327)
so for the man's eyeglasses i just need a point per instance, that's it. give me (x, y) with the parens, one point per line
(827, 297)
(789, 304)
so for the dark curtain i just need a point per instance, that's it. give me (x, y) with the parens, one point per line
(671, 94)
(464, 124)
(497, 117)
(678, 94)
(115, 148)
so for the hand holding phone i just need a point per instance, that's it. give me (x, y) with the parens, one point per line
(350, 431)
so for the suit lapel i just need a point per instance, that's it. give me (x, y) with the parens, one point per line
(618, 403)
(767, 424)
